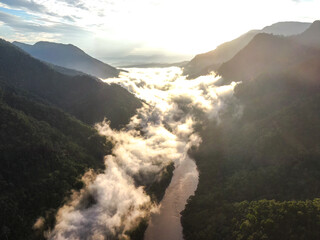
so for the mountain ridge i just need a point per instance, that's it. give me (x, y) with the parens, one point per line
(69, 56)
(311, 36)
(267, 53)
(85, 97)
(204, 63)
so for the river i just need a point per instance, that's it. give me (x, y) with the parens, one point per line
(161, 132)
(166, 224)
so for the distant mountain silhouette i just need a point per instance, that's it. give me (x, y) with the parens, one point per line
(203, 64)
(85, 97)
(311, 37)
(69, 56)
(270, 54)
(286, 28)
(264, 54)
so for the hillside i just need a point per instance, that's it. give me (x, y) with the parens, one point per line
(85, 97)
(65, 71)
(265, 54)
(44, 152)
(203, 64)
(311, 36)
(286, 28)
(270, 54)
(259, 173)
(69, 56)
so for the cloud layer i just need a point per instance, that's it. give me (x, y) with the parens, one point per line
(162, 132)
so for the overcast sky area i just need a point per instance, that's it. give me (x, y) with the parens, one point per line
(146, 30)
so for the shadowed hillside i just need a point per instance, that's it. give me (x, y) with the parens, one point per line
(311, 36)
(268, 53)
(69, 56)
(44, 152)
(85, 97)
(259, 173)
(203, 64)
(265, 54)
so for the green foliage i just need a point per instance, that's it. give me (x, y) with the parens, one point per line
(269, 219)
(158, 188)
(271, 152)
(43, 153)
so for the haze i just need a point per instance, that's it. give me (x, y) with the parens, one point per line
(144, 30)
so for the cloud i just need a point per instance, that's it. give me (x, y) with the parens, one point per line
(31, 6)
(17, 23)
(161, 133)
(86, 24)
(39, 28)
(109, 206)
(154, 26)
(75, 3)
(25, 4)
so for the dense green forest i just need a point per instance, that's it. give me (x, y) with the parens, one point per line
(272, 152)
(260, 171)
(43, 153)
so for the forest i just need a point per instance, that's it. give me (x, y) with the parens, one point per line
(44, 152)
(45, 143)
(48, 141)
(260, 170)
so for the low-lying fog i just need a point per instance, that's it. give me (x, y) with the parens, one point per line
(161, 132)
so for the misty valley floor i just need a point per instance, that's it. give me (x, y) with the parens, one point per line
(225, 146)
(162, 132)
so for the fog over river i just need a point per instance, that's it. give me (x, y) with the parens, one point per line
(161, 132)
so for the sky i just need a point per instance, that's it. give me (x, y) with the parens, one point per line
(145, 30)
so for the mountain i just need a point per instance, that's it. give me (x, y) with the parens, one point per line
(259, 170)
(259, 173)
(286, 28)
(69, 56)
(265, 54)
(85, 97)
(311, 36)
(203, 64)
(66, 71)
(44, 152)
(271, 54)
